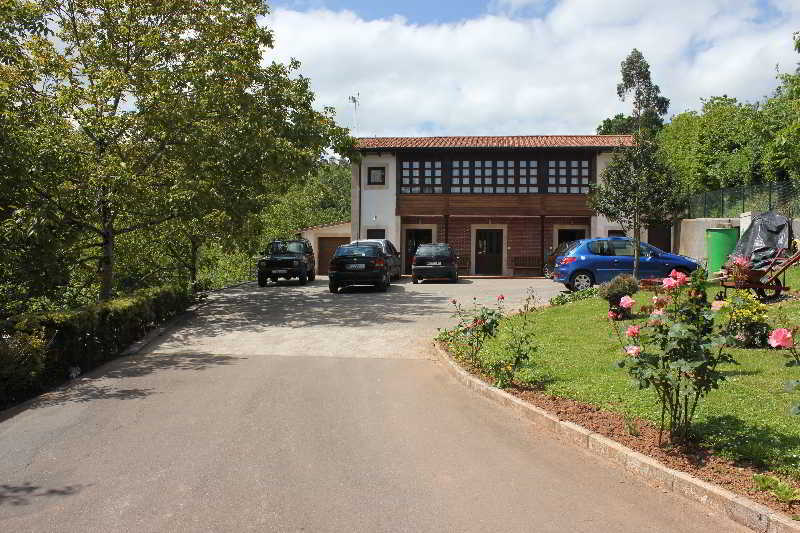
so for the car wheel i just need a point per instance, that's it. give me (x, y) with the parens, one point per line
(262, 280)
(581, 281)
(334, 288)
(414, 280)
(303, 279)
(274, 280)
(312, 275)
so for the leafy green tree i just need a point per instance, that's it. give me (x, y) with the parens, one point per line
(619, 124)
(636, 188)
(159, 112)
(719, 147)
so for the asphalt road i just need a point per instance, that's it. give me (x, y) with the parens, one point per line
(291, 409)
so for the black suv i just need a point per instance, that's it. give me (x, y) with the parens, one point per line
(287, 259)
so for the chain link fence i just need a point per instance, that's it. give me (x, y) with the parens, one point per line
(783, 197)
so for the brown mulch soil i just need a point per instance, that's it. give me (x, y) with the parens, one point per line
(695, 460)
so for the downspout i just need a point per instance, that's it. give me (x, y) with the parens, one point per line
(359, 200)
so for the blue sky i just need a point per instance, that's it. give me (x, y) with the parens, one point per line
(510, 67)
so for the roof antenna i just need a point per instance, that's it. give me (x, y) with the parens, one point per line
(355, 100)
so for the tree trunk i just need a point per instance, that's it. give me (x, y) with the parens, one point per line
(194, 257)
(107, 263)
(637, 235)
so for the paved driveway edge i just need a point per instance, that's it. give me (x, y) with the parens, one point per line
(738, 508)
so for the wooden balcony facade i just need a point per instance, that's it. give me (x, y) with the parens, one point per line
(568, 205)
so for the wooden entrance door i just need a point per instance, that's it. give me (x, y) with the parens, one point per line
(489, 252)
(660, 236)
(415, 237)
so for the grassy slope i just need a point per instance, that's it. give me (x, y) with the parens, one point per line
(745, 419)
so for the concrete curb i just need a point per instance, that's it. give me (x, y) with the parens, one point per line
(737, 508)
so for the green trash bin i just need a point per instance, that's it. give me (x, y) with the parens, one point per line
(720, 242)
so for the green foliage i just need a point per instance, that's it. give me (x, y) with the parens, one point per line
(323, 198)
(719, 147)
(764, 482)
(569, 297)
(622, 285)
(149, 117)
(38, 351)
(745, 319)
(648, 103)
(502, 352)
(678, 356)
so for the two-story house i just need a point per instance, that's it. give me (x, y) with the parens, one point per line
(501, 202)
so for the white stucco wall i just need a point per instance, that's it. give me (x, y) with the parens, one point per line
(600, 224)
(378, 202)
(313, 235)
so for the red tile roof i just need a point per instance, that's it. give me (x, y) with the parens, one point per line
(516, 141)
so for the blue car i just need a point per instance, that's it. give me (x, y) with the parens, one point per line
(595, 261)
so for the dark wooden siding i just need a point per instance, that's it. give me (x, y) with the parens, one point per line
(493, 205)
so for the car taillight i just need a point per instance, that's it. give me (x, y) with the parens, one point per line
(380, 263)
(414, 260)
(568, 260)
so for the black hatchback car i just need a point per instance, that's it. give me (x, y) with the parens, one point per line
(434, 261)
(358, 264)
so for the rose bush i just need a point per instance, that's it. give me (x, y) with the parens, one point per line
(676, 352)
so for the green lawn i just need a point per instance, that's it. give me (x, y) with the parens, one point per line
(746, 419)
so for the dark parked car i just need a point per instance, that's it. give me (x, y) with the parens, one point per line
(392, 256)
(549, 266)
(287, 259)
(359, 264)
(595, 261)
(434, 261)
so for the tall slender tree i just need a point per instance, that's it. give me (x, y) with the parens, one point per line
(635, 189)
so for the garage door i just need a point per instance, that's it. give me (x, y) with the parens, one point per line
(327, 245)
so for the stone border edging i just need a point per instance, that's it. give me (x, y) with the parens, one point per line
(738, 508)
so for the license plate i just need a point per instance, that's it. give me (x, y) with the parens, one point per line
(279, 271)
(357, 266)
(435, 263)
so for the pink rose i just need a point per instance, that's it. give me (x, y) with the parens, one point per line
(658, 312)
(742, 262)
(780, 338)
(669, 283)
(680, 277)
(500, 297)
(633, 350)
(717, 305)
(633, 331)
(453, 301)
(626, 302)
(612, 315)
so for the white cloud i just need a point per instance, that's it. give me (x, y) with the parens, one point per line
(506, 74)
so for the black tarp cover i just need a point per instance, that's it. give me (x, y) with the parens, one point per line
(768, 233)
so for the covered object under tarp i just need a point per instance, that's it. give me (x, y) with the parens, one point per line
(767, 235)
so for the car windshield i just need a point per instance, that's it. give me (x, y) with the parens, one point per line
(291, 247)
(357, 251)
(430, 251)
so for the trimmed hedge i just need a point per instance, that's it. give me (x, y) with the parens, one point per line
(38, 351)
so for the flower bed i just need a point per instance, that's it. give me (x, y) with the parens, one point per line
(740, 429)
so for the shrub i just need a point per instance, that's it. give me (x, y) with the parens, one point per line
(613, 291)
(677, 353)
(569, 297)
(475, 325)
(507, 356)
(37, 351)
(745, 319)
